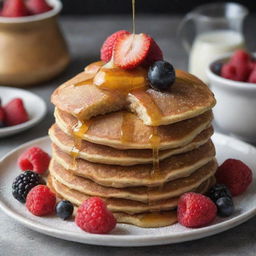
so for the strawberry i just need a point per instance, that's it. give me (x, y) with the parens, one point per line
(155, 54)
(108, 45)
(15, 112)
(38, 6)
(14, 8)
(131, 50)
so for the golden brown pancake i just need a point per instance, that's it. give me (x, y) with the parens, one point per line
(187, 98)
(142, 194)
(107, 130)
(172, 168)
(144, 220)
(106, 155)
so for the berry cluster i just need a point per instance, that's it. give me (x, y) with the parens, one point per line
(196, 210)
(241, 67)
(29, 187)
(13, 113)
(129, 51)
(21, 8)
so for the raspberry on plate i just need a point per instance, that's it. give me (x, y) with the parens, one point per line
(41, 201)
(14, 8)
(195, 210)
(15, 112)
(236, 175)
(38, 6)
(94, 217)
(108, 45)
(35, 159)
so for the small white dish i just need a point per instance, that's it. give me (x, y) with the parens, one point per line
(123, 234)
(235, 111)
(34, 105)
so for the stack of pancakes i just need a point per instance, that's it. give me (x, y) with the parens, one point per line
(138, 150)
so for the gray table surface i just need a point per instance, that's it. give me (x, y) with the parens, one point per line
(85, 36)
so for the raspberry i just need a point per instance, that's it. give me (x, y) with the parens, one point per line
(38, 6)
(15, 112)
(228, 71)
(241, 60)
(195, 210)
(94, 217)
(154, 54)
(41, 201)
(14, 8)
(108, 45)
(24, 183)
(240, 56)
(34, 159)
(236, 175)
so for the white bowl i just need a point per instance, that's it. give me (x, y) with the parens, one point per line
(235, 111)
(34, 105)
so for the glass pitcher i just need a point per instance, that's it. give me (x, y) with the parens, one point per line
(218, 30)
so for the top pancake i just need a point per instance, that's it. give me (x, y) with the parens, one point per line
(187, 98)
(124, 130)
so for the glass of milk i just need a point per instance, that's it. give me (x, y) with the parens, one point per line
(217, 29)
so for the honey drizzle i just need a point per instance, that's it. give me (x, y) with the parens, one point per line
(133, 17)
(152, 109)
(127, 129)
(78, 132)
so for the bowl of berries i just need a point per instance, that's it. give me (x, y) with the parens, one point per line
(232, 79)
(32, 47)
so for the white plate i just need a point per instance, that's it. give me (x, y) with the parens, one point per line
(127, 235)
(34, 105)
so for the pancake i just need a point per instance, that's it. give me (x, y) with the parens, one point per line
(143, 220)
(142, 194)
(124, 130)
(187, 98)
(106, 155)
(172, 168)
(118, 204)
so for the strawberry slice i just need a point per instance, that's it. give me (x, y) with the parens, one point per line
(108, 45)
(14, 8)
(38, 6)
(131, 50)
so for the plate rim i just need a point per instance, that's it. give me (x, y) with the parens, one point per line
(134, 240)
(6, 131)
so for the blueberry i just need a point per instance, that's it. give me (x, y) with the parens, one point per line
(216, 68)
(64, 209)
(218, 191)
(161, 75)
(225, 206)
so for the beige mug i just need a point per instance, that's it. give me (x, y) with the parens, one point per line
(32, 48)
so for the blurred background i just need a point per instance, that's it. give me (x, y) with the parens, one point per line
(91, 7)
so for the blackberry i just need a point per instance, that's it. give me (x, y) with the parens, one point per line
(64, 209)
(24, 183)
(218, 191)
